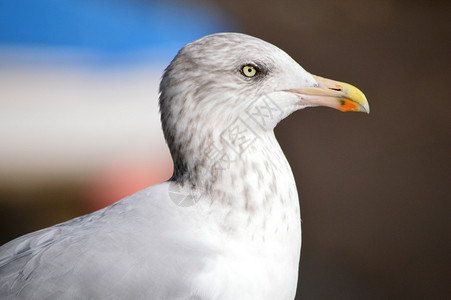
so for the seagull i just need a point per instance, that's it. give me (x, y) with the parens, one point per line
(227, 224)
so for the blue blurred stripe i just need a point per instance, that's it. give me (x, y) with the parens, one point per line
(110, 27)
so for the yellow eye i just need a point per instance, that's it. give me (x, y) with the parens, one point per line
(249, 70)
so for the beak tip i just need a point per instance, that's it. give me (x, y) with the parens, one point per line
(366, 109)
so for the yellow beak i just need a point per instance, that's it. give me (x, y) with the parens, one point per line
(335, 94)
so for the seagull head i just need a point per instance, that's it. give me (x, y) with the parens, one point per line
(220, 76)
(225, 76)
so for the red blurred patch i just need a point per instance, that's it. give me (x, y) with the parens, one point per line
(120, 179)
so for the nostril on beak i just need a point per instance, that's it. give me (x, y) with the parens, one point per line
(336, 89)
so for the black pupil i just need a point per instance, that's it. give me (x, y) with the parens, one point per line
(249, 69)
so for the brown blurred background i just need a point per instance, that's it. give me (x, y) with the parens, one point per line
(374, 188)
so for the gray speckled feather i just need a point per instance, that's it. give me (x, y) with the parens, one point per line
(238, 237)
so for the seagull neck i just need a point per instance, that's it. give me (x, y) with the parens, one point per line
(251, 195)
(257, 174)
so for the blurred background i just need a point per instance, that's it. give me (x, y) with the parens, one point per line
(80, 129)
